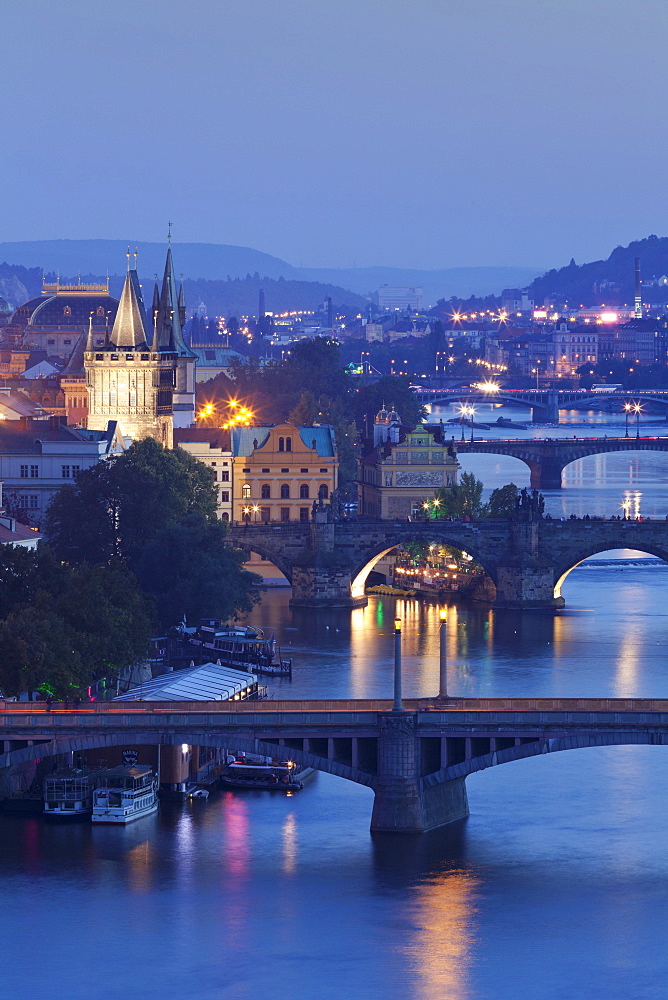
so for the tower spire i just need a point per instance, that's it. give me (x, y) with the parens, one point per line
(89, 341)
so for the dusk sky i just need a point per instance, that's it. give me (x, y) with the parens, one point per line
(414, 133)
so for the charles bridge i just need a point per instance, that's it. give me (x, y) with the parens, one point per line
(415, 758)
(327, 562)
(548, 457)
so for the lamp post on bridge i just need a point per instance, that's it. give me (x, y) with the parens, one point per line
(627, 410)
(398, 707)
(443, 656)
(637, 408)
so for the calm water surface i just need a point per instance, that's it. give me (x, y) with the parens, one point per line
(555, 887)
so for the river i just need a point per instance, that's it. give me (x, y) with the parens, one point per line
(555, 887)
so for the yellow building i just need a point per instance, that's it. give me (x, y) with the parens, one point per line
(279, 472)
(404, 469)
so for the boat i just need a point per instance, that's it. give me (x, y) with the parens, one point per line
(244, 647)
(279, 776)
(505, 422)
(68, 792)
(466, 422)
(124, 794)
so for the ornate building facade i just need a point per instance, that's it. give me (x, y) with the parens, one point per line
(404, 468)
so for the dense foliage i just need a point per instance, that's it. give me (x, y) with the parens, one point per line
(63, 627)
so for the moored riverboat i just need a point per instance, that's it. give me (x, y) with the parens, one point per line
(278, 776)
(124, 794)
(243, 647)
(68, 793)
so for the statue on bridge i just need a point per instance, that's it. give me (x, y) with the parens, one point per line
(530, 506)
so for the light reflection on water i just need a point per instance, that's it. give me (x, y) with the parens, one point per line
(556, 886)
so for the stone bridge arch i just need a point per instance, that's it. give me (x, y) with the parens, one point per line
(249, 543)
(434, 531)
(223, 738)
(565, 567)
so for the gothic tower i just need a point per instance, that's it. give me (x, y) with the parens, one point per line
(128, 380)
(169, 314)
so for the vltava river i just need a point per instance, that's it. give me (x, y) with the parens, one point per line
(555, 887)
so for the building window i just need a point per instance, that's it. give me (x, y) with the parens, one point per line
(34, 471)
(225, 516)
(323, 470)
(76, 469)
(224, 476)
(28, 501)
(266, 470)
(264, 515)
(285, 470)
(303, 491)
(323, 492)
(281, 444)
(265, 492)
(303, 470)
(225, 496)
(285, 491)
(288, 444)
(246, 492)
(65, 471)
(245, 470)
(285, 513)
(24, 472)
(303, 513)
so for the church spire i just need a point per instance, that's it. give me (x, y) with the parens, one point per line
(90, 346)
(182, 305)
(170, 329)
(129, 330)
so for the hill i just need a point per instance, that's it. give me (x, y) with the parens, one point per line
(218, 261)
(609, 282)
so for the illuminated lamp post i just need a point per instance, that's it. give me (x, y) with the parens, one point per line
(472, 415)
(443, 655)
(637, 408)
(398, 707)
(256, 509)
(246, 512)
(627, 410)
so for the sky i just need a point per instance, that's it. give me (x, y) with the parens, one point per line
(409, 133)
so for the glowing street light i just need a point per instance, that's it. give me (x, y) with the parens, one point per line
(398, 707)
(443, 656)
(637, 409)
(627, 409)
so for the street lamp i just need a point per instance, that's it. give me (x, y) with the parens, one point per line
(443, 656)
(637, 408)
(627, 410)
(472, 415)
(255, 508)
(398, 707)
(246, 513)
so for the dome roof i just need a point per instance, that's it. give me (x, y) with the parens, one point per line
(393, 417)
(62, 310)
(381, 416)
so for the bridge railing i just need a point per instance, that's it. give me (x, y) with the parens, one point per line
(336, 706)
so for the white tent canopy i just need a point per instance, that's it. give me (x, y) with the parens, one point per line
(208, 682)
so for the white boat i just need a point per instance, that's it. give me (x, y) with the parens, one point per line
(68, 793)
(125, 794)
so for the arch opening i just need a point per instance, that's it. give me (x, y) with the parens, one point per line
(433, 567)
(613, 557)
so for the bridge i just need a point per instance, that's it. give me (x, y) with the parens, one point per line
(544, 403)
(327, 562)
(548, 457)
(415, 760)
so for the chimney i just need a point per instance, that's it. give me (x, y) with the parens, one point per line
(637, 302)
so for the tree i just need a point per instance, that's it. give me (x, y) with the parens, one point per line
(38, 651)
(464, 499)
(502, 502)
(116, 506)
(305, 412)
(189, 570)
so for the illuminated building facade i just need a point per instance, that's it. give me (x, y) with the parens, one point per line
(404, 468)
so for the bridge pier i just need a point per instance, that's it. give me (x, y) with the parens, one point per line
(546, 474)
(402, 803)
(525, 581)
